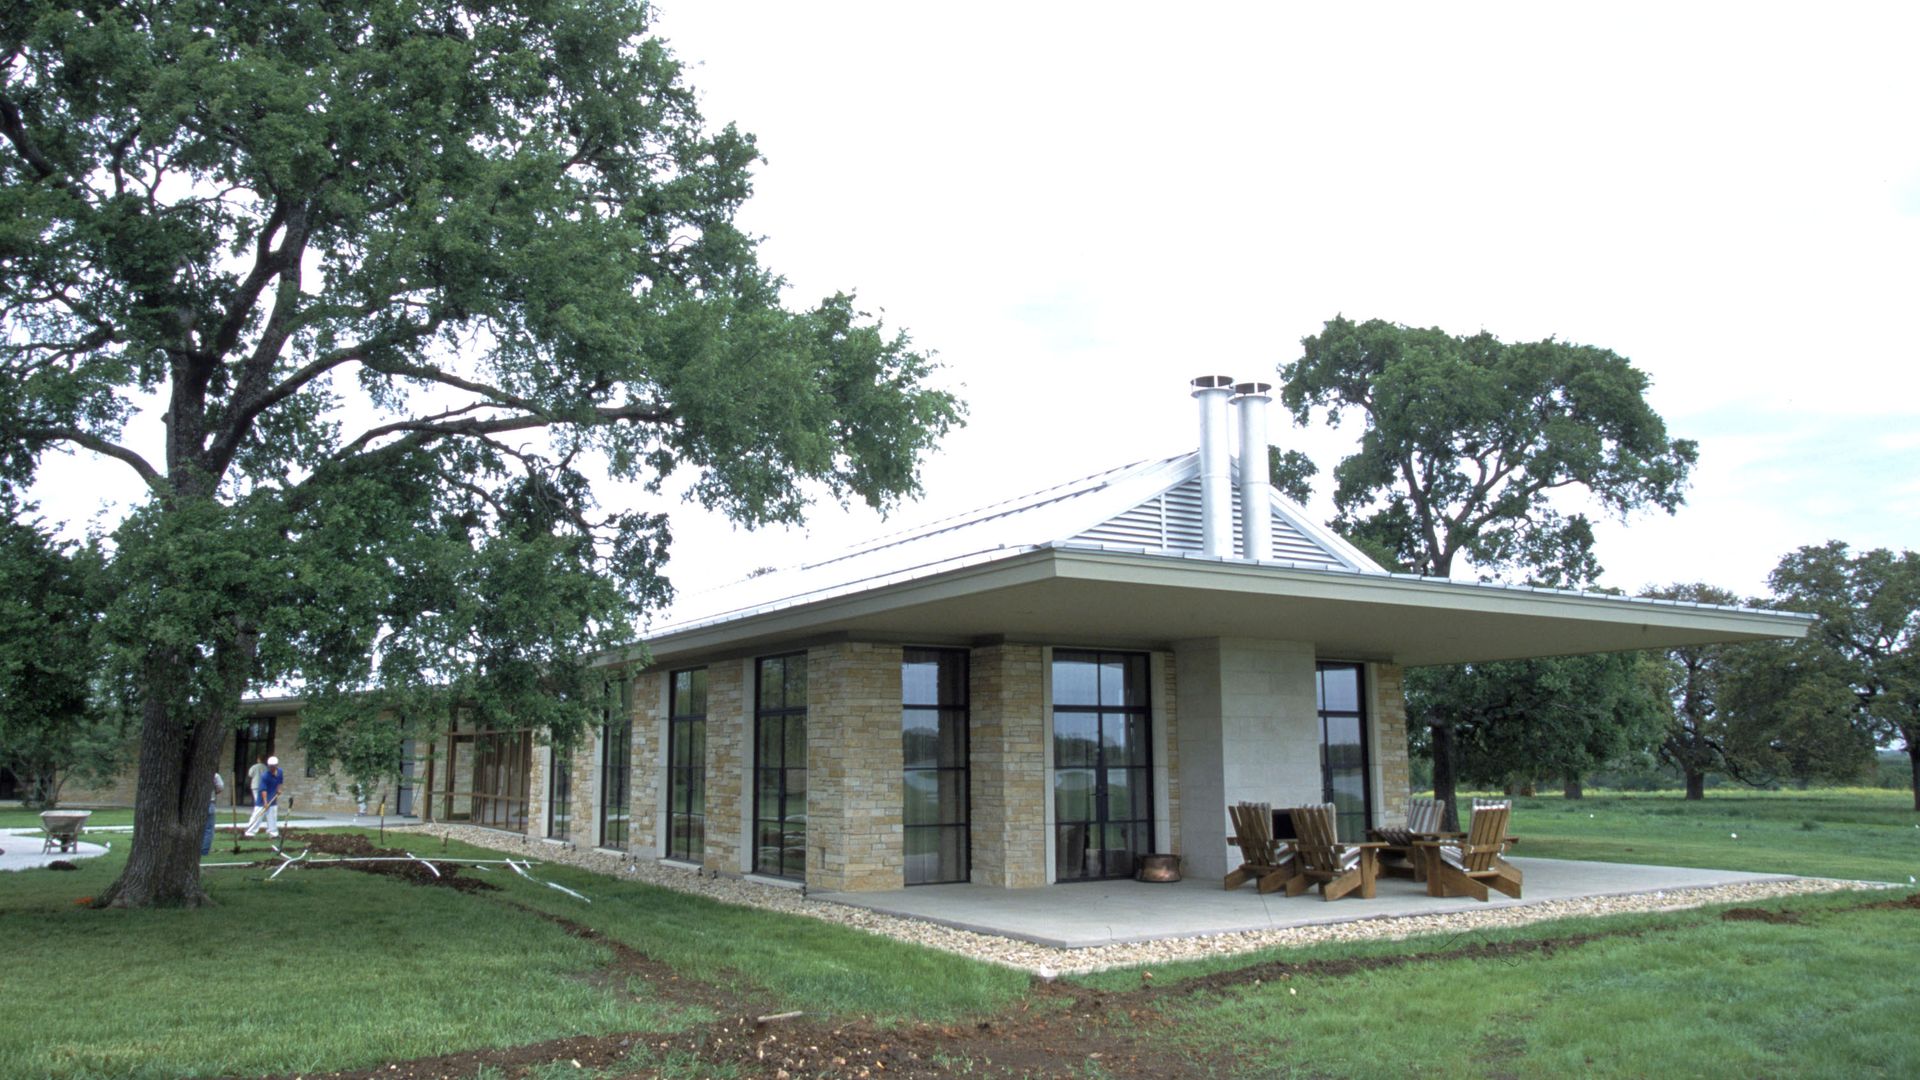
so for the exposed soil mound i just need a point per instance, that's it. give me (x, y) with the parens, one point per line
(410, 871)
(1754, 914)
(1908, 903)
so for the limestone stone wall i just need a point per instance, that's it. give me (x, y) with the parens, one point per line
(584, 792)
(729, 732)
(646, 697)
(855, 790)
(539, 778)
(1008, 788)
(326, 792)
(1391, 776)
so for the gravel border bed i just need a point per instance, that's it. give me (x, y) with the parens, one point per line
(1048, 961)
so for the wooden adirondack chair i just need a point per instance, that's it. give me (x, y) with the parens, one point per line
(1423, 823)
(1467, 864)
(1337, 868)
(1263, 860)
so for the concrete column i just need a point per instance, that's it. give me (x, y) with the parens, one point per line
(1249, 732)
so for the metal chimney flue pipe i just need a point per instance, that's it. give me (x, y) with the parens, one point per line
(1256, 528)
(1216, 465)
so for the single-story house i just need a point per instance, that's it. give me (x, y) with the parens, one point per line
(1037, 692)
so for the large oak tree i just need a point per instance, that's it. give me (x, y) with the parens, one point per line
(1866, 638)
(399, 277)
(1467, 442)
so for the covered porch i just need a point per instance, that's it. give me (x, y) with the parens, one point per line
(1089, 914)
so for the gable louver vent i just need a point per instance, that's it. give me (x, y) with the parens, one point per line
(1171, 522)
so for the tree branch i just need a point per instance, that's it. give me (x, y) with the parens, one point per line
(98, 445)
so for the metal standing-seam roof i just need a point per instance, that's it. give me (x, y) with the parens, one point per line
(1149, 506)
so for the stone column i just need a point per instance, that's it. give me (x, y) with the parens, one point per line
(647, 703)
(1387, 744)
(855, 761)
(729, 730)
(1008, 789)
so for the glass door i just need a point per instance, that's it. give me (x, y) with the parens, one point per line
(1343, 749)
(1102, 765)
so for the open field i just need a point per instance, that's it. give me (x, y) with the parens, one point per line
(1870, 834)
(326, 970)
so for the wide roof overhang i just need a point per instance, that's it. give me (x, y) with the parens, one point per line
(1063, 595)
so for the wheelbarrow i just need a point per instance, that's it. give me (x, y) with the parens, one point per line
(63, 828)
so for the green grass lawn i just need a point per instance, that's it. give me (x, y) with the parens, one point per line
(1673, 995)
(334, 969)
(1870, 834)
(327, 970)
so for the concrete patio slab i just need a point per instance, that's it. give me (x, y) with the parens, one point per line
(1084, 915)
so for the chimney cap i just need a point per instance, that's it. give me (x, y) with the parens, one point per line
(1250, 389)
(1213, 382)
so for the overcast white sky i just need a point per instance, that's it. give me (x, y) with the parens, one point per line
(1081, 206)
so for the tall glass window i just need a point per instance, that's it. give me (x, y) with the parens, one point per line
(560, 792)
(616, 767)
(780, 766)
(687, 765)
(933, 720)
(1343, 747)
(1102, 765)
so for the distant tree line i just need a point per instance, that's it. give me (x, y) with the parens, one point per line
(1765, 714)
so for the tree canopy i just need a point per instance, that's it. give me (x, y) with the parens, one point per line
(1865, 643)
(1467, 441)
(400, 279)
(1519, 722)
(57, 719)
(1701, 735)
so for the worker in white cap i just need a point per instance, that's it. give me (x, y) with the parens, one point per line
(267, 800)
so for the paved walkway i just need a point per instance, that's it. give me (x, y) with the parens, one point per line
(20, 850)
(1084, 915)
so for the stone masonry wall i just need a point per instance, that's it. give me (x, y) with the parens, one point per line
(1390, 744)
(728, 730)
(646, 697)
(1009, 778)
(855, 790)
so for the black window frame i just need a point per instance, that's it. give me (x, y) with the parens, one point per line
(686, 780)
(1348, 829)
(559, 793)
(785, 714)
(941, 711)
(616, 768)
(1143, 829)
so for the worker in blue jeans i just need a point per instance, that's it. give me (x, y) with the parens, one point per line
(213, 807)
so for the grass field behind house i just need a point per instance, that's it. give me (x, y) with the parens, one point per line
(329, 969)
(1870, 834)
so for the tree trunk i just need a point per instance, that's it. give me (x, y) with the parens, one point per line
(1443, 777)
(1570, 787)
(1696, 785)
(174, 782)
(1913, 761)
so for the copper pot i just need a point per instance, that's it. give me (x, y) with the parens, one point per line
(1158, 868)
